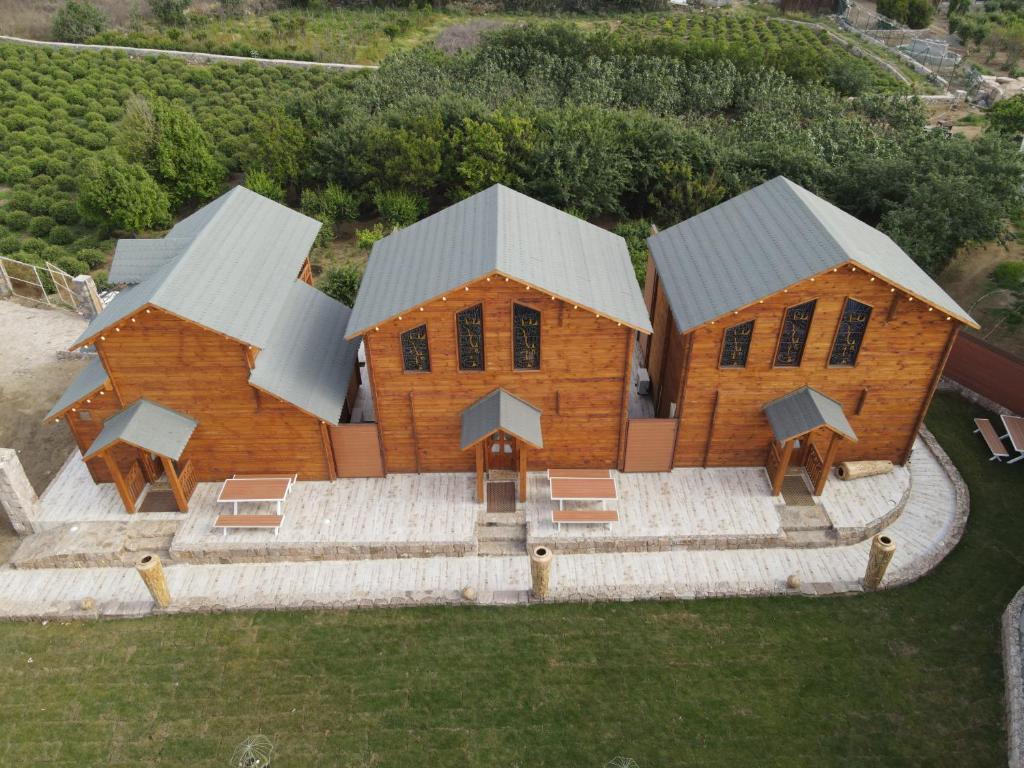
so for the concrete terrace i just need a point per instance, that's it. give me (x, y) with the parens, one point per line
(928, 528)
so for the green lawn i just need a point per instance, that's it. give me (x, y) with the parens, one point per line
(911, 677)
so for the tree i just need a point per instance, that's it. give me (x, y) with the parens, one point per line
(1007, 116)
(479, 158)
(120, 194)
(1008, 279)
(166, 139)
(277, 145)
(259, 181)
(170, 11)
(399, 208)
(77, 21)
(342, 283)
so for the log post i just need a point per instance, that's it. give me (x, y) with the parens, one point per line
(17, 496)
(479, 473)
(780, 471)
(882, 549)
(175, 484)
(851, 470)
(826, 464)
(540, 571)
(522, 472)
(119, 482)
(152, 573)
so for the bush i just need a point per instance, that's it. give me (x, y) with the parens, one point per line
(72, 265)
(78, 21)
(365, 238)
(1007, 116)
(398, 208)
(635, 233)
(326, 233)
(40, 225)
(17, 174)
(94, 257)
(18, 220)
(261, 183)
(61, 234)
(9, 244)
(342, 283)
(170, 11)
(102, 279)
(120, 194)
(332, 202)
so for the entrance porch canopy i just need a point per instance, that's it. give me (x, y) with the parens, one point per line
(795, 415)
(153, 429)
(500, 411)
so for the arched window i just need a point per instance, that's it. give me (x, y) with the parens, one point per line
(469, 327)
(736, 345)
(793, 337)
(852, 325)
(415, 350)
(525, 338)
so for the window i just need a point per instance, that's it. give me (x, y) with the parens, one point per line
(736, 345)
(793, 337)
(525, 338)
(850, 333)
(415, 352)
(469, 326)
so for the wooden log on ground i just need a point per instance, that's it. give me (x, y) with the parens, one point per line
(851, 470)
(540, 571)
(152, 573)
(882, 550)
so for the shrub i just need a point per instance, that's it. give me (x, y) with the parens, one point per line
(332, 201)
(1007, 116)
(261, 183)
(170, 11)
(18, 220)
(9, 244)
(635, 233)
(365, 238)
(64, 211)
(17, 174)
(326, 233)
(341, 283)
(102, 279)
(232, 7)
(61, 234)
(77, 21)
(40, 225)
(120, 194)
(72, 265)
(94, 257)
(398, 208)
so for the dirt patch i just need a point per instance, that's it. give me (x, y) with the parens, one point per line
(459, 37)
(34, 18)
(31, 380)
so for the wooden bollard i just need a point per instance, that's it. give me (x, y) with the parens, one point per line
(540, 571)
(152, 573)
(882, 549)
(852, 470)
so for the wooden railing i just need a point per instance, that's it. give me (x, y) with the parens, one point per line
(771, 463)
(814, 464)
(187, 480)
(134, 481)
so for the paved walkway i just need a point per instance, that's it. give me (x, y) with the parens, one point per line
(196, 57)
(927, 530)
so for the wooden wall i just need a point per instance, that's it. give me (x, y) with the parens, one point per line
(897, 365)
(579, 387)
(85, 424)
(204, 375)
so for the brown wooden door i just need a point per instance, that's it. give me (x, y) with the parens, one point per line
(649, 445)
(356, 450)
(501, 451)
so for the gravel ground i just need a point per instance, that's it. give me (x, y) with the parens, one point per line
(31, 380)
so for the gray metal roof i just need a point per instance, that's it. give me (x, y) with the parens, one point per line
(148, 426)
(306, 361)
(499, 230)
(504, 411)
(135, 260)
(242, 249)
(92, 378)
(805, 409)
(767, 239)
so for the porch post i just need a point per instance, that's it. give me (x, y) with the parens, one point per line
(830, 457)
(522, 471)
(175, 483)
(780, 472)
(479, 450)
(122, 486)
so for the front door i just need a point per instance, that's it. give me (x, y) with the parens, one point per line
(502, 451)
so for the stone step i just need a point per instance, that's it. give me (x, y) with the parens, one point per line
(804, 519)
(501, 533)
(501, 548)
(502, 518)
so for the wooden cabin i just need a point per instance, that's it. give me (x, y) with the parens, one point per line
(219, 358)
(787, 331)
(499, 335)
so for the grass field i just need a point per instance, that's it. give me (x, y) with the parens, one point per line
(911, 677)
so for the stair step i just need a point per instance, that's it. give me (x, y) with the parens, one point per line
(501, 533)
(501, 548)
(502, 518)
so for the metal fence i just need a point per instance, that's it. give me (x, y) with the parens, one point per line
(48, 284)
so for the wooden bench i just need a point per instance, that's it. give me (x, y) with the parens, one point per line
(248, 521)
(578, 474)
(995, 445)
(584, 517)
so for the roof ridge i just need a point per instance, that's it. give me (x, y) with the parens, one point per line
(794, 190)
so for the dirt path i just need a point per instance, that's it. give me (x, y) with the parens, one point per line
(31, 380)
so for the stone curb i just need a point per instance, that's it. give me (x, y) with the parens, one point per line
(1012, 650)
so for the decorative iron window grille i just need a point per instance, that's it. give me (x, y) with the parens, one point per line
(525, 338)
(415, 351)
(469, 325)
(793, 338)
(853, 323)
(736, 345)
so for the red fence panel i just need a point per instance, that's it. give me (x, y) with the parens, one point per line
(987, 370)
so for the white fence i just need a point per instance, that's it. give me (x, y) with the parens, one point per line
(48, 284)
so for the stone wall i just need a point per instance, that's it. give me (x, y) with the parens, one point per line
(1013, 649)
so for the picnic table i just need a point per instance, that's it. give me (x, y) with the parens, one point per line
(1015, 431)
(256, 490)
(565, 489)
